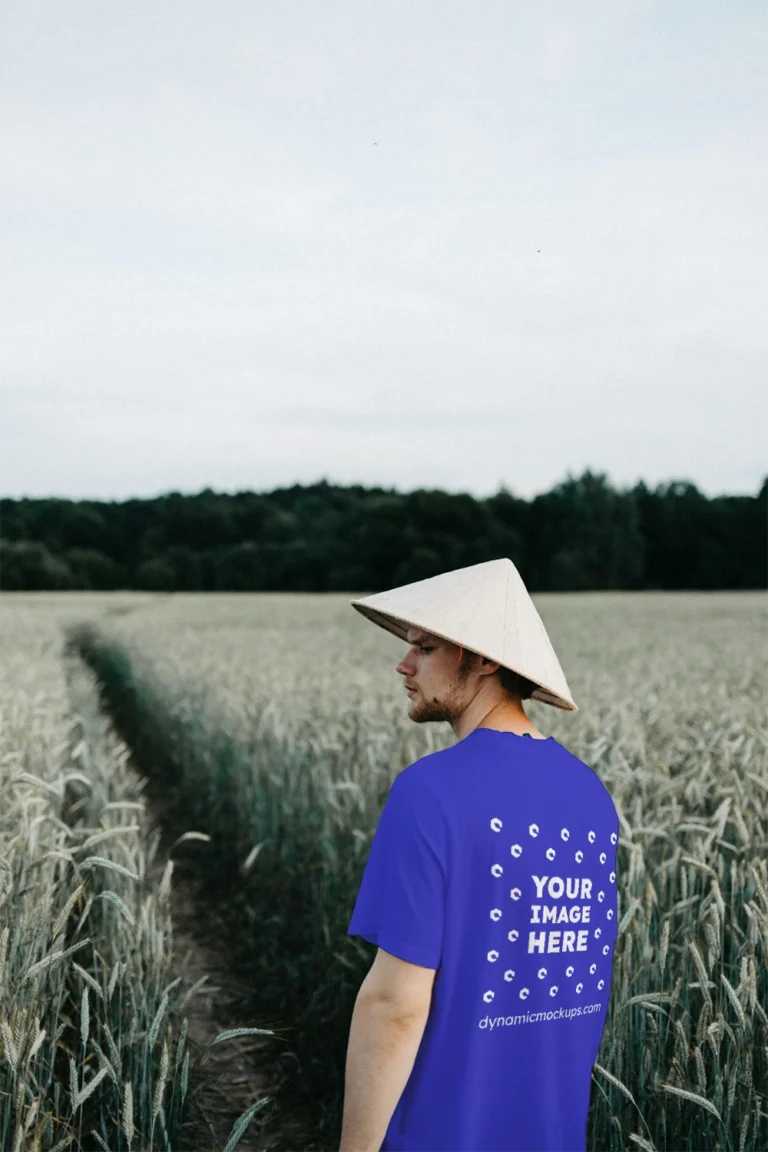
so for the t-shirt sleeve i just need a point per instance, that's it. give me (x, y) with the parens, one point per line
(401, 902)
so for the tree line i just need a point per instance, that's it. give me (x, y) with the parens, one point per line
(581, 535)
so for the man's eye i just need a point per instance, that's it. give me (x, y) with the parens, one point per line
(424, 648)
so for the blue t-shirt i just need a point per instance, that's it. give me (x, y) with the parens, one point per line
(494, 861)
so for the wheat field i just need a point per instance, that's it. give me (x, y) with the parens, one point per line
(276, 723)
(88, 1050)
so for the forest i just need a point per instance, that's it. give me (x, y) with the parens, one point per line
(583, 535)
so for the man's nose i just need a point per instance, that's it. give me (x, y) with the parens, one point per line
(404, 667)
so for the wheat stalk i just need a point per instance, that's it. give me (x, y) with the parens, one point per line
(158, 1098)
(128, 1127)
(693, 1096)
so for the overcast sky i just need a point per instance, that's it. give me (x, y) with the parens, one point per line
(438, 244)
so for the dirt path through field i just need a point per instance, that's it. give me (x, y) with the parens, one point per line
(223, 1080)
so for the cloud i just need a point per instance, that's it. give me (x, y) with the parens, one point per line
(535, 230)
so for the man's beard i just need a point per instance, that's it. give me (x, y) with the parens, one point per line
(448, 709)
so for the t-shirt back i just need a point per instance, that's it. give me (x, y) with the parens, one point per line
(494, 862)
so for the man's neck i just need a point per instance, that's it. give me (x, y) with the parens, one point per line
(500, 715)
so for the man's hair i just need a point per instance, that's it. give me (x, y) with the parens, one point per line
(512, 682)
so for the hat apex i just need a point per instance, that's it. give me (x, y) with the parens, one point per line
(487, 609)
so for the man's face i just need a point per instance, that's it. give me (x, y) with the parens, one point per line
(438, 677)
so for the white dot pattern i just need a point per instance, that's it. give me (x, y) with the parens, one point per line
(590, 976)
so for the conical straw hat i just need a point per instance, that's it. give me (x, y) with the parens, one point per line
(485, 608)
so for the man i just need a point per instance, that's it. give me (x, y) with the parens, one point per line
(489, 891)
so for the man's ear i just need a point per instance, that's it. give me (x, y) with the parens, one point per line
(488, 667)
